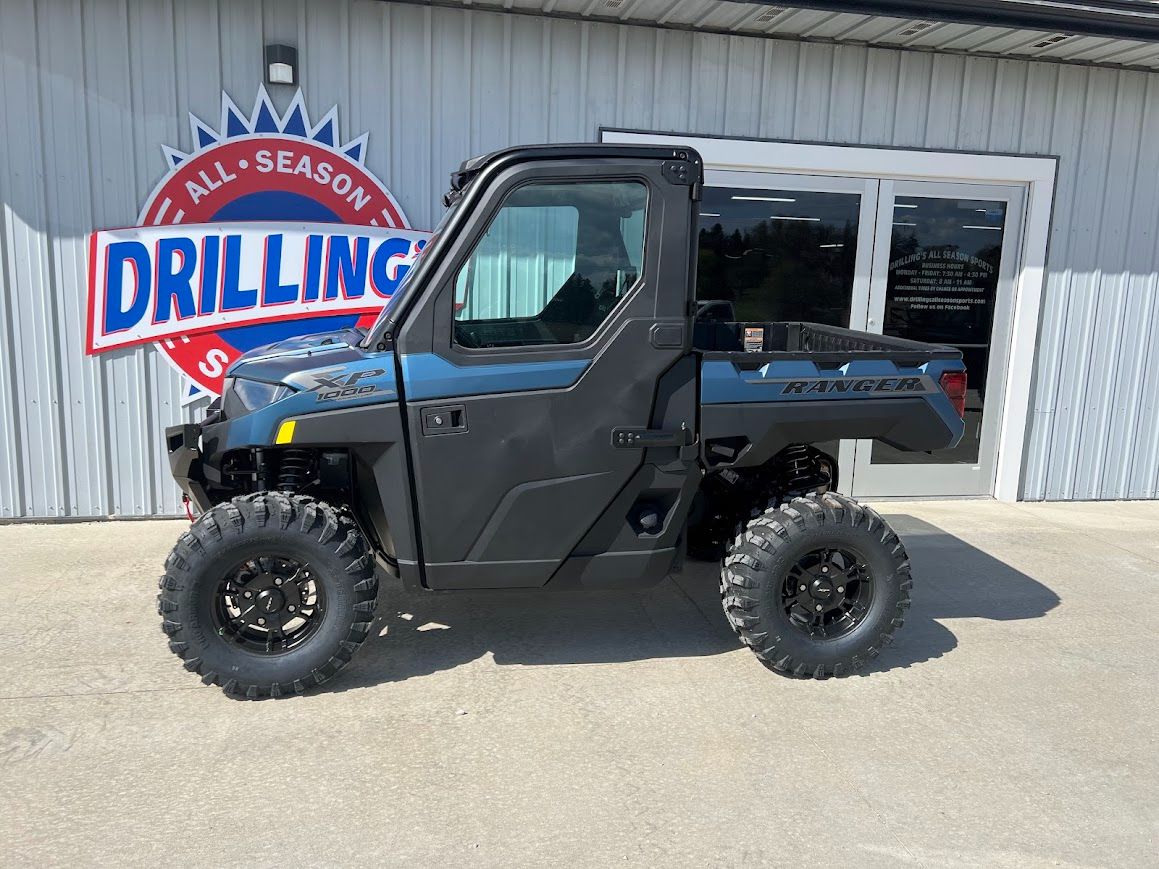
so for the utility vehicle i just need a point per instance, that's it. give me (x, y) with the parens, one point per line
(539, 407)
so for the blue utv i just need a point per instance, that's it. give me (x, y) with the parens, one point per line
(545, 405)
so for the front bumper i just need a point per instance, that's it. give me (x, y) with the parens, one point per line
(183, 444)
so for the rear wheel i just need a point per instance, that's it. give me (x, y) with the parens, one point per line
(268, 594)
(816, 587)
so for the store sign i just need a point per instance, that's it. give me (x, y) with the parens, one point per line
(945, 279)
(269, 229)
(155, 284)
(943, 293)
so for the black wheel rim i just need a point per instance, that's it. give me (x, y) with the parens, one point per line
(828, 592)
(269, 604)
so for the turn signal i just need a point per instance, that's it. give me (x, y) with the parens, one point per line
(953, 383)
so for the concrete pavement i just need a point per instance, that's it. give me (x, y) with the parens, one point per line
(1013, 723)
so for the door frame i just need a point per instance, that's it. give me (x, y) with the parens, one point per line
(1037, 173)
(953, 478)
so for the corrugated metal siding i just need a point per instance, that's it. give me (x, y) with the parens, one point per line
(89, 91)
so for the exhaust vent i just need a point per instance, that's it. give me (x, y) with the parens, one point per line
(1052, 40)
(769, 14)
(916, 28)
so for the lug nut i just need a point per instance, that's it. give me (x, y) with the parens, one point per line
(802, 588)
(263, 621)
(249, 594)
(818, 608)
(824, 569)
(292, 608)
(840, 589)
(278, 581)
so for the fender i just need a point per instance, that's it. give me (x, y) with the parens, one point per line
(375, 436)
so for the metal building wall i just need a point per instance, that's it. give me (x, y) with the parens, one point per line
(90, 90)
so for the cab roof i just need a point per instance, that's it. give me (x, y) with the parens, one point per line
(580, 150)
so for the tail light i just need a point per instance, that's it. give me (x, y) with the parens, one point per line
(953, 383)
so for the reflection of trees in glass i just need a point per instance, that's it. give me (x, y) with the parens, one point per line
(992, 253)
(777, 270)
(903, 245)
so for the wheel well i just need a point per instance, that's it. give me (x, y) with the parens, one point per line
(728, 496)
(320, 472)
(328, 474)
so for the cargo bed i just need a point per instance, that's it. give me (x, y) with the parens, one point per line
(791, 382)
(762, 342)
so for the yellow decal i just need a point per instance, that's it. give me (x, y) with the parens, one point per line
(285, 432)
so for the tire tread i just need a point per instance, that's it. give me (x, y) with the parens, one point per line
(330, 526)
(746, 578)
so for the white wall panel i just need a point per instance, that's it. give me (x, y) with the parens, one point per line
(90, 90)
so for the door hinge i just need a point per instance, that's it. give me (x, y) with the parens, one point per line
(686, 171)
(680, 172)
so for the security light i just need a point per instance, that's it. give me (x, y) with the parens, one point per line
(281, 64)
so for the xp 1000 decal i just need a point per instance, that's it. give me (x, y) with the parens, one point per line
(270, 228)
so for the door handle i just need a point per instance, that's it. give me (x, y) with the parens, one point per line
(628, 438)
(444, 420)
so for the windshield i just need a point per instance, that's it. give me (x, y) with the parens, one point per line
(399, 294)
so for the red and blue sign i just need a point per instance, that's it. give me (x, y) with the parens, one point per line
(270, 228)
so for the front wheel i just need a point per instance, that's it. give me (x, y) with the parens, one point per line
(268, 594)
(816, 587)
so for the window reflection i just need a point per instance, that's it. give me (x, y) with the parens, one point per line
(778, 254)
(942, 286)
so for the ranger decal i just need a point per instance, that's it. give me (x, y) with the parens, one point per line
(853, 384)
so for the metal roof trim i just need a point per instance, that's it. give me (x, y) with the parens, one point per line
(1121, 19)
(1132, 50)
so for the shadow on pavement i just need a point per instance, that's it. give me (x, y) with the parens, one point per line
(421, 633)
(954, 580)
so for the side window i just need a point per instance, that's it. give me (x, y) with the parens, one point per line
(554, 262)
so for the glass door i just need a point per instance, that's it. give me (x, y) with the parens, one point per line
(944, 261)
(787, 247)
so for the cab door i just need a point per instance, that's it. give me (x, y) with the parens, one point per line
(549, 387)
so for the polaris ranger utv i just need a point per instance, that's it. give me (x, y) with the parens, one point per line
(539, 407)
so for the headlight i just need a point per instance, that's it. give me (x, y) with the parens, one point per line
(251, 395)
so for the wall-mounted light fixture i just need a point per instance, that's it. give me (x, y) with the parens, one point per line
(281, 64)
